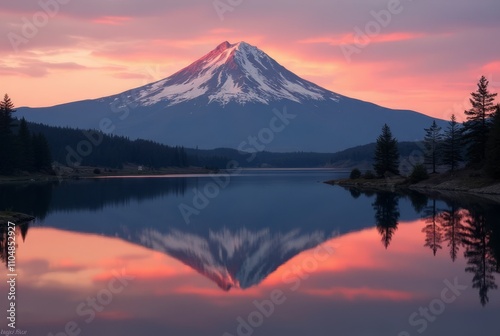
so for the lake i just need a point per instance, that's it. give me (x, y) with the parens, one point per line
(256, 252)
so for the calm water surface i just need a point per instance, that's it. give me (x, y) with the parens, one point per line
(266, 252)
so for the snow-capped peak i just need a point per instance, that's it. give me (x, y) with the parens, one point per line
(238, 73)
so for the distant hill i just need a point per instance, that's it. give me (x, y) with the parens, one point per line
(114, 151)
(359, 156)
(71, 146)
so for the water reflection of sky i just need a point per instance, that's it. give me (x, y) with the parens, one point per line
(361, 289)
(255, 239)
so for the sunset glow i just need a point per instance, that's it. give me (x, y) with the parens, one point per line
(424, 57)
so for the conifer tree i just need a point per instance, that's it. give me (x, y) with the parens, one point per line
(7, 143)
(452, 145)
(386, 153)
(477, 126)
(432, 143)
(25, 147)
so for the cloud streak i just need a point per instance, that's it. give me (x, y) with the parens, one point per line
(425, 59)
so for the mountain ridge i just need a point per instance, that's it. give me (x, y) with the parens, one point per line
(230, 72)
(228, 96)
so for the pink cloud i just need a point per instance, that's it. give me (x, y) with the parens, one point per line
(112, 20)
(362, 293)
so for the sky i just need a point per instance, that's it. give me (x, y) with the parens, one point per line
(423, 55)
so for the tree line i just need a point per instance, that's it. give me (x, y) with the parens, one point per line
(31, 148)
(21, 149)
(73, 147)
(475, 143)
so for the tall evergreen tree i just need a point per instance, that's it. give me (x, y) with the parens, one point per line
(492, 165)
(477, 126)
(7, 142)
(452, 145)
(432, 143)
(386, 153)
(42, 156)
(25, 147)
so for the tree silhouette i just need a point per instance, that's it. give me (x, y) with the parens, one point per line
(477, 126)
(453, 229)
(386, 215)
(432, 229)
(7, 141)
(26, 160)
(418, 201)
(452, 145)
(386, 153)
(432, 144)
(492, 164)
(479, 254)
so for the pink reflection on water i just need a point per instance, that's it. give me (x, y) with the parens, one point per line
(59, 270)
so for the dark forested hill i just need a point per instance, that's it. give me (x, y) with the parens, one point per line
(71, 146)
(92, 148)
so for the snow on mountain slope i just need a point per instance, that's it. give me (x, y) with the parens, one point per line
(232, 72)
(228, 95)
(238, 259)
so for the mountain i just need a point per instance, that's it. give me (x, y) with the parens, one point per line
(236, 96)
(237, 73)
(239, 259)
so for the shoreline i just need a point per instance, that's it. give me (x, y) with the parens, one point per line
(15, 217)
(459, 184)
(87, 173)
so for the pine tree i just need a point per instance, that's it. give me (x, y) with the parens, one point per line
(386, 153)
(7, 143)
(477, 126)
(42, 156)
(452, 145)
(492, 165)
(432, 143)
(25, 147)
